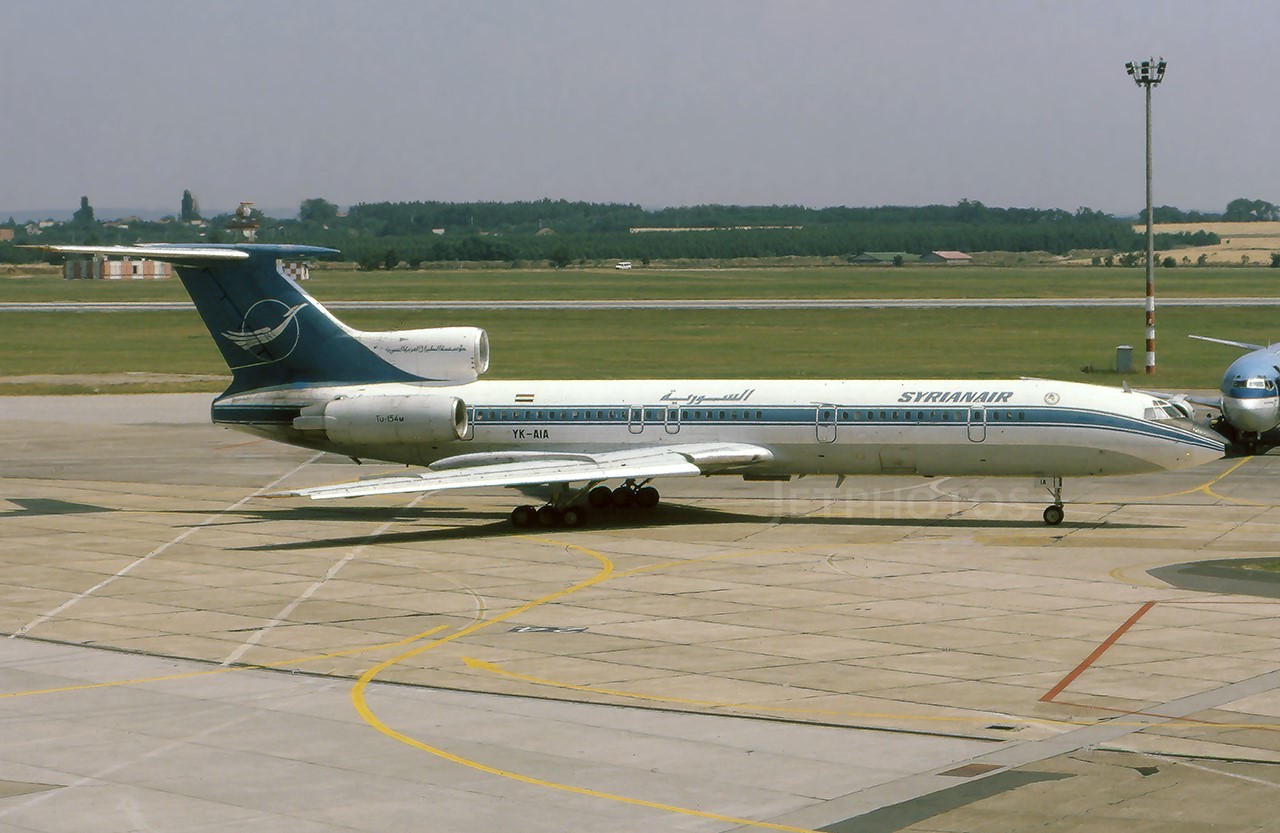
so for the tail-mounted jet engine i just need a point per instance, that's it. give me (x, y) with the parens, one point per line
(446, 354)
(378, 420)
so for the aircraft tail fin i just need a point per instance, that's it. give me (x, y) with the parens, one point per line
(270, 332)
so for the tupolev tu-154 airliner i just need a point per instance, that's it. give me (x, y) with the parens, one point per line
(301, 376)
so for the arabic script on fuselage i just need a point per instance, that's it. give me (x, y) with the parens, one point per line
(699, 398)
(425, 348)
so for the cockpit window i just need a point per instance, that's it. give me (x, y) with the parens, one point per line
(1257, 382)
(1162, 410)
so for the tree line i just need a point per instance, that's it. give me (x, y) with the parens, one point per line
(563, 231)
(1239, 210)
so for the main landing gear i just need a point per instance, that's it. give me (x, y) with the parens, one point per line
(1054, 513)
(573, 515)
(549, 515)
(623, 497)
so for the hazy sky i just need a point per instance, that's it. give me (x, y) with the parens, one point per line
(658, 102)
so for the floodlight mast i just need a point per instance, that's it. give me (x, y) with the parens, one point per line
(1147, 74)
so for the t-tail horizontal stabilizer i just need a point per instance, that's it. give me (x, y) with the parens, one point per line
(270, 332)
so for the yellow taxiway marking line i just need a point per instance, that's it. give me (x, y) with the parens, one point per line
(247, 667)
(1207, 488)
(361, 704)
(1123, 574)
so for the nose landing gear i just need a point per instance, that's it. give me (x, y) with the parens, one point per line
(1054, 513)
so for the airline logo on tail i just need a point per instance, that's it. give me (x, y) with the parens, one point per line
(250, 339)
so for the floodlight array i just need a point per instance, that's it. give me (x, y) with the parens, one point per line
(1146, 73)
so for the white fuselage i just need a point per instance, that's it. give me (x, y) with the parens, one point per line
(963, 428)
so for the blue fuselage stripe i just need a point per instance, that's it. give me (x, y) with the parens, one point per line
(1250, 393)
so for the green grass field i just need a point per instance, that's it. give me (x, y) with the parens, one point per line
(800, 282)
(615, 344)
(1054, 343)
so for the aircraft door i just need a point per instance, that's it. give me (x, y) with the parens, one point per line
(635, 420)
(471, 424)
(977, 425)
(826, 423)
(672, 421)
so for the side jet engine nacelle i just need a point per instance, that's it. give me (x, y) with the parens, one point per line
(380, 420)
(1183, 407)
(443, 354)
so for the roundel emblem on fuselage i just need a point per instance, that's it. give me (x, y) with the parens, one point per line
(1051, 398)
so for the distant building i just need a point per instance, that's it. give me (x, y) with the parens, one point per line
(101, 269)
(243, 223)
(883, 258)
(949, 258)
(298, 270)
(6, 234)
(32, 229)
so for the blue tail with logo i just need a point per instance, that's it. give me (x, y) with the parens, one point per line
(271, 333)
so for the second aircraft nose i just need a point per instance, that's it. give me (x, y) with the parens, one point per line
(1252, 414)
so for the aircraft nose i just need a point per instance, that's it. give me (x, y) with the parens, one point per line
(1252, 414)
(1196, 453)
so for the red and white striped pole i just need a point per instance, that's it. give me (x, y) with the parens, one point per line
(1147, 74)
(1151, 255)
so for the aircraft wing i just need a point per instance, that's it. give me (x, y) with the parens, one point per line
(539, 468)
(1205, 401)
(1242, 345)
(1179, 400)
